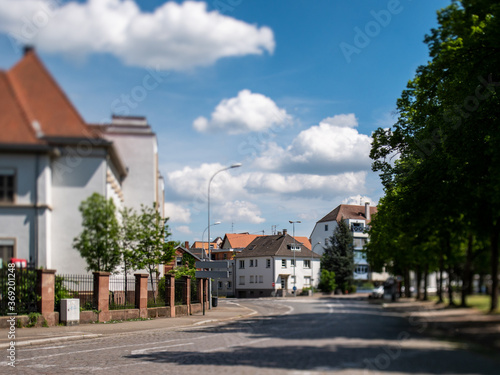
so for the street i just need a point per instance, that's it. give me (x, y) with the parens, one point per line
(284, 336)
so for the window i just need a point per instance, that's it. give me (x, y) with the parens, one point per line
(224, 256)
(220, 284)
(293, 280)
(361, 269)
(283, 263)
(294, 247)
(359, 242)
(261, 279)
(251, 262)
(326, 227)
(178, 261)
(326, 241)
(307, 263)
(268, 263)
(307, 281)
(242, 280)
(7, 176)
(256, 262)
(242, 264)
(292, 262)
(229, 285)
(6, 250)
(251, 279)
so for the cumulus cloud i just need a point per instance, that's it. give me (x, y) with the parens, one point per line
(177, 213)
(239, 211)
(359, 200)
(247, 112)
(191, 184)
(334, 146)
(174, 36)
(184, 229)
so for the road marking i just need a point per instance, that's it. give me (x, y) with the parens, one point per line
(142, 351)
(43, 348)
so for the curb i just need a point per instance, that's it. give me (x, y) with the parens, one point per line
(52, 339)
(95, 335)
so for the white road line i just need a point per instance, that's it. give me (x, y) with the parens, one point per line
(43, 348)
(142, 351)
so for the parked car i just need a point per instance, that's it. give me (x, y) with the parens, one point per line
(377, 292)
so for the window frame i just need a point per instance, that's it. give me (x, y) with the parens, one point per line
(8, 172)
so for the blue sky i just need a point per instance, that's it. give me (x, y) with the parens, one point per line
(292, 89)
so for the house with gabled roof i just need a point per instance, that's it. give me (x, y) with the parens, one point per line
(51, 160)
(358, 219)
(275, 265)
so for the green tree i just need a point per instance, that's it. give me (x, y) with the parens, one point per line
(338, 256)
(98, 242)
(446, 141)
(327, 281)
(153, 245)
(128, 240)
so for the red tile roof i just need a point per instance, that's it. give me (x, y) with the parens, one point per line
(348, 211)
(275, 245)
(32, 102)
(239, 240)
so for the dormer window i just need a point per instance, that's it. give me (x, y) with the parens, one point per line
(294, 247)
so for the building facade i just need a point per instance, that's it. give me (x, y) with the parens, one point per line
(358, 219)
(276, 265)
(50, 161)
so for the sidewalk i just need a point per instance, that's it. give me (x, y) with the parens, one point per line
(455, 323)
(227, 310)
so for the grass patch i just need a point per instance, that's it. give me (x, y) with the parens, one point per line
(478, 301)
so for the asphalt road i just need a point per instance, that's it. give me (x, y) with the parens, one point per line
(286, 336)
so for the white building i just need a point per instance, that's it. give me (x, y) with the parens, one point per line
(275, 265)
(358, 219)
(51, 160)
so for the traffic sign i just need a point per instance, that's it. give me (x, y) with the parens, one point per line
(218, 264)
(294, 288)
(212, 274)
(273, 284)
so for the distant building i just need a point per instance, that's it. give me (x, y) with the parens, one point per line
(51, 160)
(275, 265)
(358, 219)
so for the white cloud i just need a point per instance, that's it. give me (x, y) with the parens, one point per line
(177, 213)
(247, 112)
(359, 200)
(174, 36)
(184, 229)
(239, 211)
(331, 147)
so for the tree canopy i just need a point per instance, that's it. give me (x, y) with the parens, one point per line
(440, 163)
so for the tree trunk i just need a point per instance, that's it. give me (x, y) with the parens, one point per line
(440, 285)
(419, 281)
(450, 288)
(426, 277)
(467, 272)
(494, 267)
(407, 283)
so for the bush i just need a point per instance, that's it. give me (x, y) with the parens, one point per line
(327, 281)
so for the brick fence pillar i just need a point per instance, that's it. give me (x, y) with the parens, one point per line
(45, 289)
(141, 294)
(187, 293)
(207, 290)
(200, 289)
(101, 295)
(170, 293)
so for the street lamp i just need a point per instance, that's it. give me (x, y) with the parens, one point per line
(312, 273)
(203, 235)
(209, 182)
(294, 264)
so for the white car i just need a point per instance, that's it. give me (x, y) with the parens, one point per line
(378, 292)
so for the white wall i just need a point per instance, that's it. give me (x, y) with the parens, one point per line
(70, 188)
(319, 234)
(300, 272)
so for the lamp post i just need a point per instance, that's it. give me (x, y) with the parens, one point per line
(294, 262)
(312, 273)
(203, 235)
(209, 182)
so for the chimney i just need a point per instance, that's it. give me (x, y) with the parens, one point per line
(186, 244)
(285, 231)
(28, 48)
(367, 211)
(279, 233)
